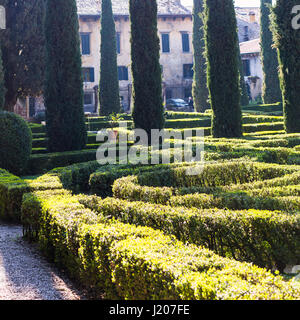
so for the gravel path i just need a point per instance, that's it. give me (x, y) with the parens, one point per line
(25, 274)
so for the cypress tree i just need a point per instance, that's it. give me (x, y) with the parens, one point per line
(200, 91)
(271, 92)
(148, 110)
(223, 77)
(2, 86)
(287, 41)
(23, 49)
(65, 121)
(109, 83)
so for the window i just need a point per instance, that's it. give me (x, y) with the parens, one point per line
(246, 66)
(246, 33)
(88, 98)
(169, 93)
(188, 71)
(85, 43)
(165, 38)
(123, 73)
(118, 35)
(88, 74)
(185, 42)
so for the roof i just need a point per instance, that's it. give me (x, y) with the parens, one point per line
(245, 12)
(121, 8)
(252, 46)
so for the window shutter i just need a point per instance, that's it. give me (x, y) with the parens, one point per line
(85, 43)
(188, 71)
(185, 42)
(165, 42)
(88, 74)
(92, 75)
(246, 64)
(123, 73)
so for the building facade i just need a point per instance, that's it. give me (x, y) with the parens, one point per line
(175, 30)
(251, 58)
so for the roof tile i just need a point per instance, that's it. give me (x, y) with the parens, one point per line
(121, 7)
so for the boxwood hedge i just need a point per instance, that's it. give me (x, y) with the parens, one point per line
(129, 262)
(267, 238)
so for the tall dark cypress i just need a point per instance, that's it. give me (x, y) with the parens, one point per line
(109, 83)
(222, 51)
(23, 49)
(271, 92)
(200, 91)
(286, 34)
(148, 110)
(65, 121)
(2, 85)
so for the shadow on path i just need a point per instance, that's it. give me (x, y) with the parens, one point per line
(25, 274)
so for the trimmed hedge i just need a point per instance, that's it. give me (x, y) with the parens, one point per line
(15, 142)
(41, 163)
(286, 180)
(123, 116)
(159, 187)
(268, 239)
(129, 262)
(127, 188)
(236, 201)
(184, 115)
(37, 128)
(269, 126)
(251, 123)
(264, 107)
(76, 177)
(12, 189)
(102, 180)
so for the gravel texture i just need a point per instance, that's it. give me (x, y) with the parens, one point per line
(25, 274)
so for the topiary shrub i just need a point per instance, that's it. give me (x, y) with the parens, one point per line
(15, 142)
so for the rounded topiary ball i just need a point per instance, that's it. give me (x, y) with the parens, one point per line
(15, 142)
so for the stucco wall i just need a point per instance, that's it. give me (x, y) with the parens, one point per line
(171, 62)
(255, 80)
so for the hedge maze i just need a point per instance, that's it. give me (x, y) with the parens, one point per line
(154, 232)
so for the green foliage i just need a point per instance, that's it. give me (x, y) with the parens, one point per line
(23, 48)
(238, 201)
(109, 82)
(15, 142)
(200, 91)
(222, 53)
(12, 189)
(160, 185)
(65, 122)
(41, 163)
(271, 86)
(129, 262)
(287, 42)
(2, 85)
(274, 240)
(146, 71)
(76, 177)
(264, 108)
(102, 180)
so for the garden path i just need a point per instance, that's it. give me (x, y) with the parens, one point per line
(25, 274)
